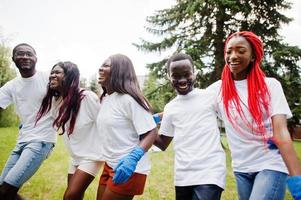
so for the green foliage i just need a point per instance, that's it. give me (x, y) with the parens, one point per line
(83, 83)
(158, 93)
(199, 28)
(6, 72)
(7, 117)
(94, 86)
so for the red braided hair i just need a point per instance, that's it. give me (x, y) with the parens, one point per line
(258, 93)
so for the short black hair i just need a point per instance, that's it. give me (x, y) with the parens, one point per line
(23, 44)
(178, 57)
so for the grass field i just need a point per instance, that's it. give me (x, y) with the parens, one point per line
(49, 182)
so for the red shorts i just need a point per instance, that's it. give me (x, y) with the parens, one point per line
(134, 186)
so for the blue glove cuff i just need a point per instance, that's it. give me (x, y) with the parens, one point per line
(294, 185)
(138, 152)
(157, 118)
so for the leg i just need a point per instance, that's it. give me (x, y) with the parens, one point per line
(269, 185)
(100, 190)
(77, 185)
(244, 184)
(11, 161)
(207, 192)
(69, 179)
(31, 158)
(184, 192)
(8, 192)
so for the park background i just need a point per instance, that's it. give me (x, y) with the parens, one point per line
(86, 32)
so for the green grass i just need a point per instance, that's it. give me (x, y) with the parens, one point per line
(49, 182)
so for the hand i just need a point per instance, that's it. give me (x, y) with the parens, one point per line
(294, 186)
(127, 165)
(157, 118)
(272, 145)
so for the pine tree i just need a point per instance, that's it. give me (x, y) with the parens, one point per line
(200, 27)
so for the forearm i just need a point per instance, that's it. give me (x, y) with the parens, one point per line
(284, 143)
(162, 142)
(148, 139)
(289, 155)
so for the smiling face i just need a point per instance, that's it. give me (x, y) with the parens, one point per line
(238, 56)
(56, 78)
(25, 59)
(181, 76)
(104, 74)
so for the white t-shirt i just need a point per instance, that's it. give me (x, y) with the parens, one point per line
(121, 120)
(192, 122)
(84, 144)
(249, 153)
(27, 95)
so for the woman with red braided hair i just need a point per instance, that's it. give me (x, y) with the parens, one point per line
(74, 111)
(254, 110)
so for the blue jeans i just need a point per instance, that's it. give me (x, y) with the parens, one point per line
(263, 185)
(24, 161)
(199, 192)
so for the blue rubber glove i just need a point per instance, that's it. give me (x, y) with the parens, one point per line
(157, 118)
(272, 145)
(294, 186)
(127, 165)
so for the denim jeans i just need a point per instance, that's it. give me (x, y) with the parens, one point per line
(263, 185)
(199, 192)
(24, 161)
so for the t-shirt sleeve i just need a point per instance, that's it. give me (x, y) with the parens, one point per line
(279, 103)
(92, 104)
(142, 119)
(5, 95)
(215, 93)
(166, 127)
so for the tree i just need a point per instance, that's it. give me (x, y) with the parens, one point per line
(155, 87)
(7, 116)
(94, 86)
(200, 27)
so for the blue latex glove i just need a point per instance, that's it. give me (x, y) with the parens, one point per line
(157, 118)
(127, 165)
(294, 186)
(272, 145)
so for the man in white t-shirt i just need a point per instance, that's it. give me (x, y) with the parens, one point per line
(35, 141)
(190, 121)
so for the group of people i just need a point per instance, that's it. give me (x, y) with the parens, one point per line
(116, 130)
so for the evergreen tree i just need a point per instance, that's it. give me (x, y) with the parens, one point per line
(200, 27)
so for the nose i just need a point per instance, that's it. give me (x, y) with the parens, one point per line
(233, 55)
(52, 75)
(182, 80)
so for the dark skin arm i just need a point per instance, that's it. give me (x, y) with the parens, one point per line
(285, 145)
(147, 139)
(163, 141)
